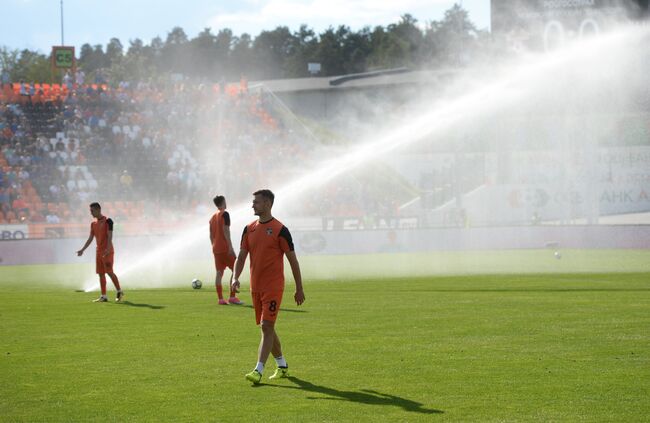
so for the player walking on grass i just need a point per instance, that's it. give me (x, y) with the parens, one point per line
(102, 230)
(267, 240)
(224, 253)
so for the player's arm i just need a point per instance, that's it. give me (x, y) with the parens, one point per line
(239, 267)
(88, 241)
(299, 296)
(241, 259)
(286, 244)
(109, 238)
(226, 233)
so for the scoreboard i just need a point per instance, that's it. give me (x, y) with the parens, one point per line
(545, 24)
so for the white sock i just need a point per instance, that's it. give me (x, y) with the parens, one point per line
(281, 361)
(259, 367)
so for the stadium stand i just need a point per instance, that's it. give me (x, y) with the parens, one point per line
(169, 146)
(63, 145)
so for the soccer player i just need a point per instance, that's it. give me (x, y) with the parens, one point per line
(267, 240)
(102, 231)
(224, 254)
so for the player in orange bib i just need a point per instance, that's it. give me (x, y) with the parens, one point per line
(268, 241)
(102, 230)
(224, 253)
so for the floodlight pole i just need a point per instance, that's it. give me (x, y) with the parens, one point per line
(62, 42)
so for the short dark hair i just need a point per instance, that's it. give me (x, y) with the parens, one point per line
(95, 206)
(219, 200)
(266, 193)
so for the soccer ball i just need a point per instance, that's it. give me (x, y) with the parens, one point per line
(558, 255)
(196, 284)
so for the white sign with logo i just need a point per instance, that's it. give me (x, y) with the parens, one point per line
(13, 232)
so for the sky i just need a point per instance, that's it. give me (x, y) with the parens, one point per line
(36, 24)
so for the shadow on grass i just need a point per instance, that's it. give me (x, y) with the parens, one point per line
(153, 307)
(363, 396)
(289, 310)
(519, 290)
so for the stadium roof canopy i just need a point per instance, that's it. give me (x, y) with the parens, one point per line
(400, 76)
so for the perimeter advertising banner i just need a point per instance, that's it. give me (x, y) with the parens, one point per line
(546, 24)
(13, 232)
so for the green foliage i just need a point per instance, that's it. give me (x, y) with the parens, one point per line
(25, 65)
(278, 53)
(563, 347)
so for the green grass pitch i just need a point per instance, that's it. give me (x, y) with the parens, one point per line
(517, 347)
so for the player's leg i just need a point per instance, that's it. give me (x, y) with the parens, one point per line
(283, 368)
(101, 272)
(108, 268)
(266, 343)
(276, 347)
(116, 282)
(233, 294)
(256, 375)
(219, 287)
(267, 306)
(102, 286)
(218, 262)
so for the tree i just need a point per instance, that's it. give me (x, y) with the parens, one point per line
(92, 58)
(303, 49)
(114, 51)
(271, 49)
(175, 56)
(398, 45)
(223, 45)
(277, 53)
(202, 53)
(241, 57)
(28, 66)
(357, 48)
(136, 64)
(454, 38)
(330, 50)
(8, 59)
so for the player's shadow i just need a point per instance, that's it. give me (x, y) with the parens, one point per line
(289, 310)
(363, 396)
(153, 307)
(488, 290)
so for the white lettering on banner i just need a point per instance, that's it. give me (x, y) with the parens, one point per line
(628, 196)
(13, 232)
